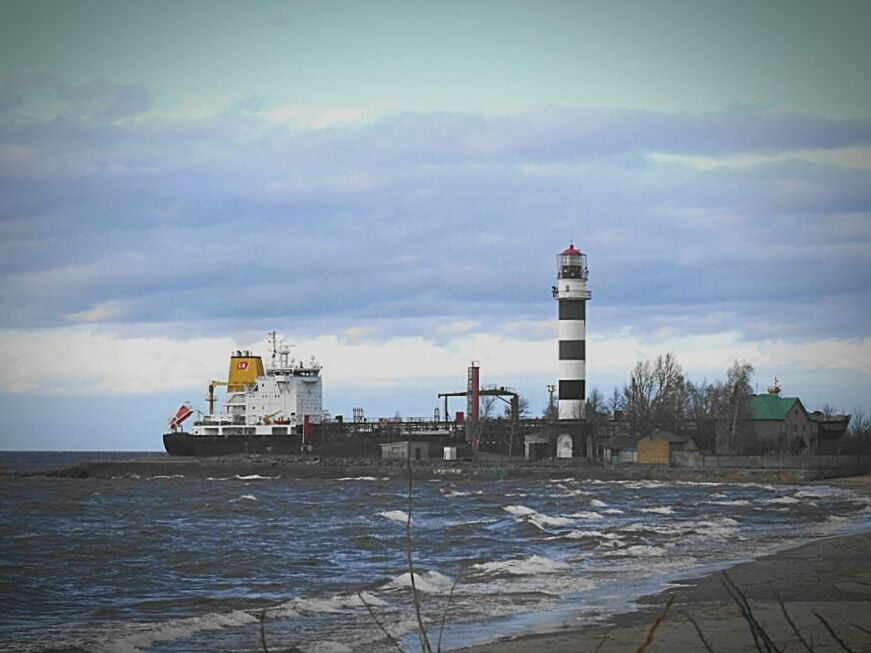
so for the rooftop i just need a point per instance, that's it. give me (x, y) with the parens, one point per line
(772, 406)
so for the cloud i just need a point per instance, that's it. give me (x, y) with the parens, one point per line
(43, 96)
(319, 117)
(427, 223)
(95, 361)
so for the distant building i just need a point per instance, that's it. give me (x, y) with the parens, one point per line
(414, 449)
(776, 425)
(660, 447)
(622, 448)
(830, 431)
(782, 423)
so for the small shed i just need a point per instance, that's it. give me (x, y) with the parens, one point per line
(658, 447)
(622, 449)
(414, 449)
(536, 446)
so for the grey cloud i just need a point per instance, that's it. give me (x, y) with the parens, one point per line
(425, 217)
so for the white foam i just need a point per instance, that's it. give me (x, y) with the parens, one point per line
(519, 510)
(569, 492)
(581, 534)
(639, 551)
(543, 521)
(586, 515)
(783, 500)
(147, 635)
(736, 502)
(612, 511)
(248, 497)
(164, 476)
(596, 503)
(326, 646)
(429, 582)
(702, 529)
(255, 477)
(394, 515)
(523, 567)
(338, 603)
(659, 510)
(357, 478)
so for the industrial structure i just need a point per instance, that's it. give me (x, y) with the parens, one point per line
(279, 409)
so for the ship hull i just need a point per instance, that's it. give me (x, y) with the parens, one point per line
(185, 444)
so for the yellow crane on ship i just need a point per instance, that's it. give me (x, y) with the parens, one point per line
(211, 396)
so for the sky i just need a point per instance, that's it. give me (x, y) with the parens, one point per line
(387, 185)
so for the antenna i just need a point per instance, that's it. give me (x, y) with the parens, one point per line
(273, 345)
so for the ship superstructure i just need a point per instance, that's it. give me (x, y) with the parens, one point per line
(283, 400)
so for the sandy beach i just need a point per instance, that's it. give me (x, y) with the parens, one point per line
(830, 577)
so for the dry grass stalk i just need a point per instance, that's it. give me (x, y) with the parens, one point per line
(377, 621)
(832, 632)
(421, 630)
(655, 625)
(699, 632)
(263, 631)
(447, 607)
(601, 643)
(756, 630)
(793, 626)
(864, 630)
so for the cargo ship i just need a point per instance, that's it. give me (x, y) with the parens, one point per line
(266, 410)
(279, 411)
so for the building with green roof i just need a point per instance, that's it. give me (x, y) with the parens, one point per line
(780, 425)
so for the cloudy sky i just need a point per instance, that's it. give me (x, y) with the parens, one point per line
(387, 184)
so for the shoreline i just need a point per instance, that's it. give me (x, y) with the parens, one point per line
(299, 467)
(830, 576)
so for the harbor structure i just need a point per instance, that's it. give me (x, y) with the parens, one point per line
(572, 295)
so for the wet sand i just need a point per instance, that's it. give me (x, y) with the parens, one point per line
(831, 577)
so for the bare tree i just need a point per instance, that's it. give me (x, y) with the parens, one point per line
(488, 407)
(859, 422)
(596, 401)
(615, 402)
(595, 408)
(828, 410)
(522, 408)
(550, 412)
(738, 393)
(655, 395)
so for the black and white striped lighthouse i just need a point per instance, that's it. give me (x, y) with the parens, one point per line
(572, 294)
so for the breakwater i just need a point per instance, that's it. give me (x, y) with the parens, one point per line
(291, 467)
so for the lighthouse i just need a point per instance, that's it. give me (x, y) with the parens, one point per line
(571, 293)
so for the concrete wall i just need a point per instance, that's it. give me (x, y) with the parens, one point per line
(686, 459)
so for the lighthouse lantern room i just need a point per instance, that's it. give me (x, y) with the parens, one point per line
(572, 294)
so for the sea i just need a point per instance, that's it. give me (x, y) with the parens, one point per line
(168, 563)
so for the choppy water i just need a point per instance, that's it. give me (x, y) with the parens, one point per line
(176, 564)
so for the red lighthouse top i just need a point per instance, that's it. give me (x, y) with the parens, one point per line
(571, 264)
